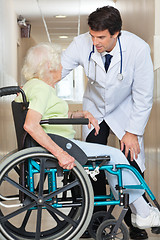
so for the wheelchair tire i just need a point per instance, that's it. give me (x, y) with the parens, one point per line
(96, 220)
(105, 229)
(43, 214)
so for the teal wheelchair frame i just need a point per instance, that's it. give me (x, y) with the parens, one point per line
(40, 200)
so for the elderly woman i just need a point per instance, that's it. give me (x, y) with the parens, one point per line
(42, 70)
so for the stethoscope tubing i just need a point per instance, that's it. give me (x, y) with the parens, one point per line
(89, 58)
(120, 48)
(121, 61)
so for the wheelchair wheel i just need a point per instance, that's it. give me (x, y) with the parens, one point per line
(104, 232)
(96, 220)
(47, 210)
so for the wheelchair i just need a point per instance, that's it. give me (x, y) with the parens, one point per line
(40, 200)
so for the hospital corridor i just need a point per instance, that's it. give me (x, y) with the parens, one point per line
(39, 199)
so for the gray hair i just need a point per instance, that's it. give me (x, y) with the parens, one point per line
(39, 57)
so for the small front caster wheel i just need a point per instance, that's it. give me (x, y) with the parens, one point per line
(96, 220)
(105, 231)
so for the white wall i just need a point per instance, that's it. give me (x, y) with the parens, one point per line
(8, 43)
(8, 71)
(13, 49)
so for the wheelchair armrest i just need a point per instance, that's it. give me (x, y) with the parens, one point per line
(73, 121)
(65, 143)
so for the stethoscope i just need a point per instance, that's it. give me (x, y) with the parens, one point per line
(120, 75)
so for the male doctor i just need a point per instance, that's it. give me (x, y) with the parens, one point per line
(119, 91)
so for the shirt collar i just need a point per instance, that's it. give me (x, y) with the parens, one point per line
(114, 50)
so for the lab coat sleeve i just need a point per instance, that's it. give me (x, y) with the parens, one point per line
(142, 92)
(70, 58)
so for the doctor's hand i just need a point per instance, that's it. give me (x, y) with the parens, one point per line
(130, 142)
(92, 121)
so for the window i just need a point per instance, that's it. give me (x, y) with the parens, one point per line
(71, 88)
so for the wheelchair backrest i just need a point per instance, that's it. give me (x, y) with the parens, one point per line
(19, 114)
(19, 111)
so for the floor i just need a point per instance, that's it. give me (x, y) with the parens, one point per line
(151, 236)
(116, 212)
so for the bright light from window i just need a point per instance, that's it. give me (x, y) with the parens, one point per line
(72, 86)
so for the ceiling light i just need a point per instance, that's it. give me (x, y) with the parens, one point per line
(63, 36)
(60, 16)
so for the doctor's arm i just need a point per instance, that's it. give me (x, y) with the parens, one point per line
(142, 96)
(70, 59)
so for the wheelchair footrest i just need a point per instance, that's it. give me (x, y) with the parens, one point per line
(93, 160)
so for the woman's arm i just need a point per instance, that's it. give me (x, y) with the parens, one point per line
(86, 114)
(33, 127)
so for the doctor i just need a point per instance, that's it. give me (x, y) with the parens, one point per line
(119, 97)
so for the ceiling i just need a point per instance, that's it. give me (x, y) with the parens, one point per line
(45, 26)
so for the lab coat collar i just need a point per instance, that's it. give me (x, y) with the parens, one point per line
(96, 56)
(116, 53)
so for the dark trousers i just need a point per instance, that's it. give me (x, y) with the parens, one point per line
(127, 217)
(99, 186)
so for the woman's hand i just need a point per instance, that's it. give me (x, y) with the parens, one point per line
(65, 160)
(92, 121)
(33, 127)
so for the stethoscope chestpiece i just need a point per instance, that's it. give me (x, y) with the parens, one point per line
(120, 76)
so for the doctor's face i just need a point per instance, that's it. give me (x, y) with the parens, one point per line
(103, 40)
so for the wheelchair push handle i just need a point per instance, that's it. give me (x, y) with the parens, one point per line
(5, 91)
(73, 121)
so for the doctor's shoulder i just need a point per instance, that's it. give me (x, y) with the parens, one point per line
(84, 43)
(83, 40)
(134, 41)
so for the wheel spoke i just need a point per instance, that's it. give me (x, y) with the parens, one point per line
(20, 187)
(38, 226)
(66, 218)
(17, 170)
(58, 221)
(17, 212)
(42, 177)
(25, 220)
(62, 189)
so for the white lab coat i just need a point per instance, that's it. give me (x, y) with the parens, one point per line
(125, 105)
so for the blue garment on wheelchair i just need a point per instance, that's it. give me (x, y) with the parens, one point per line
(116, 157)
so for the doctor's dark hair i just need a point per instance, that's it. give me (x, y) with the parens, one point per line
(104, 18)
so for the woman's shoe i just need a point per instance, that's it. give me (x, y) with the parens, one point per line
(153, 220)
